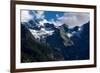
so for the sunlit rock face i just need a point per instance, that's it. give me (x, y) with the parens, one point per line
(66, 37)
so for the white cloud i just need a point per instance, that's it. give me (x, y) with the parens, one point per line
(39, 14)
(25, 16)
(71, 19)
(57, 15)
(56, 23)
(41, 23)
(74, 19)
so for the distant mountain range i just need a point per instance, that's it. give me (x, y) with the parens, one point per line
(45, 42)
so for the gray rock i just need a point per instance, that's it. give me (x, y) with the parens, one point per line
(66, 40)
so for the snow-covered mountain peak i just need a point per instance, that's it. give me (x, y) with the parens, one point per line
(42, 33)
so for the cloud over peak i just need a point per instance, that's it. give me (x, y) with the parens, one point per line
(25, 16)
(74, 19)
(71, 19)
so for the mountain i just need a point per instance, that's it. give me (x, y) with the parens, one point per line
(75, 47)
(80, 49)
(33, 51)
(49, 26)
(45, 42)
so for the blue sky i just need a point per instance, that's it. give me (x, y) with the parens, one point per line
(52, 14)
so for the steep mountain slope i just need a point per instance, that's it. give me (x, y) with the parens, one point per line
(75, 47)
(33, 51)
(48, 43)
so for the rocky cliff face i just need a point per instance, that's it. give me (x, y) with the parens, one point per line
(33, 51)
(66, 40)
(71, 42)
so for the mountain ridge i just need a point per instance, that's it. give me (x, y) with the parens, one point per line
(60, 45)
